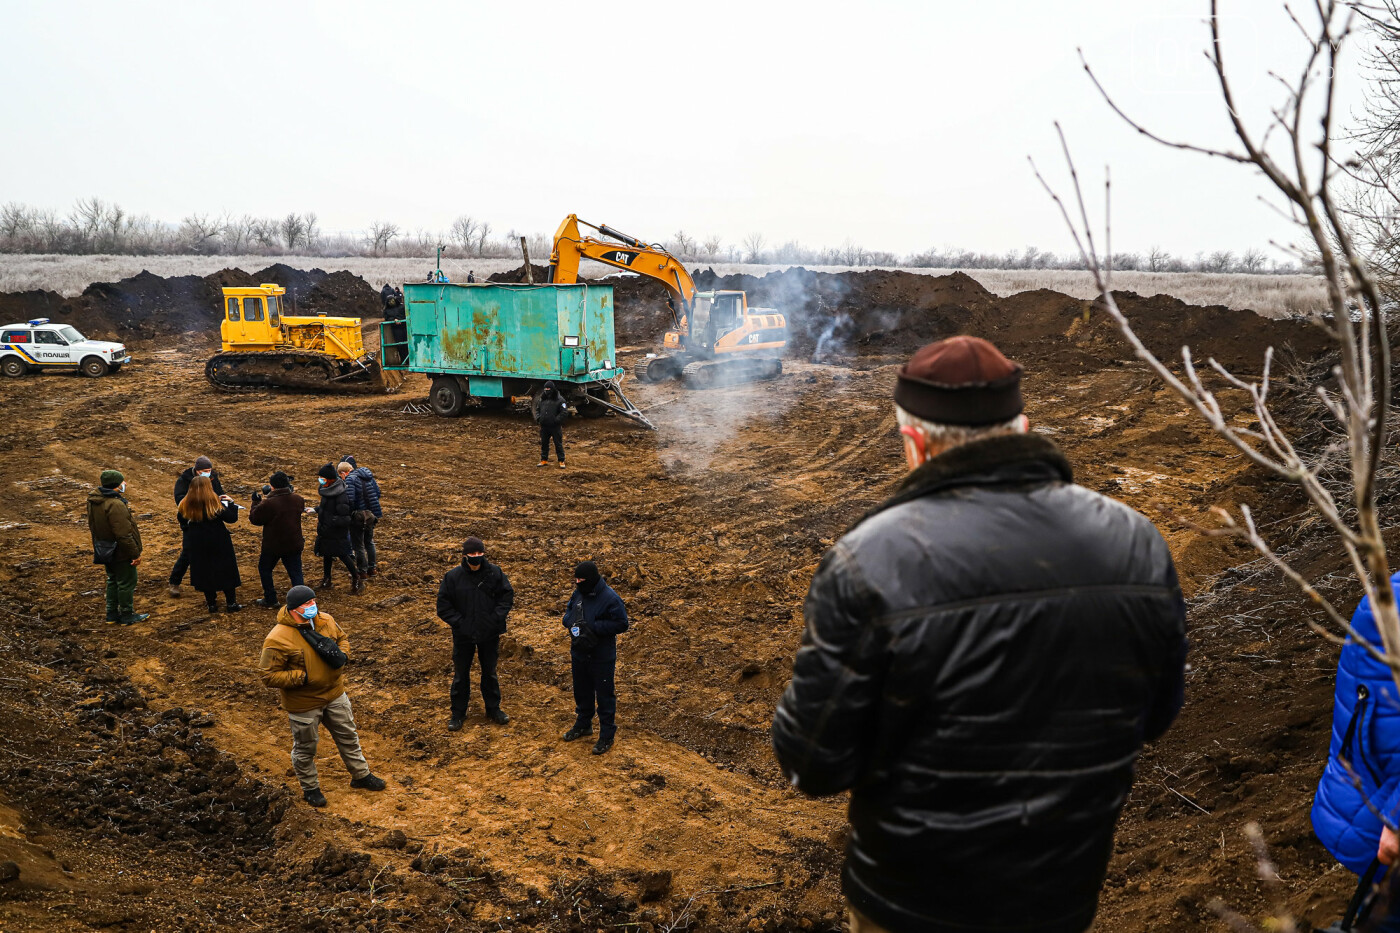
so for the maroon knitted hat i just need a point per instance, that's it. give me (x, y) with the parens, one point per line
(963, 381)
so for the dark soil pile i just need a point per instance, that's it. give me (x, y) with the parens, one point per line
(147, 306)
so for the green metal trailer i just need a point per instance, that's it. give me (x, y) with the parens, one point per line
(493, 344)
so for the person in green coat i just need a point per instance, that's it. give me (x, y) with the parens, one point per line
(116, 538)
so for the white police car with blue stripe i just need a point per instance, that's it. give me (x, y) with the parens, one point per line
(41, 344)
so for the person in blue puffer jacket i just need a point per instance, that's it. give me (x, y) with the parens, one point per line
(363, 491)
(1362, 779)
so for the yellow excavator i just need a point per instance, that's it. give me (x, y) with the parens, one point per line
(718, 339)
(263, 347)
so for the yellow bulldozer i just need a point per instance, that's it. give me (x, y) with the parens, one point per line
(263, 347)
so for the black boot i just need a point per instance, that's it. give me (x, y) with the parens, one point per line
(357, 584)
(325, 583)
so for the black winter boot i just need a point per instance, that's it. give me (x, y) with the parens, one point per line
(357, 584)
(325, 583)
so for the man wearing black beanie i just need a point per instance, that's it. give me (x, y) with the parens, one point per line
(474, 599)
(594, 618)
(984, 655)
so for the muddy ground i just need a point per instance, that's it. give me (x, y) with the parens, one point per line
(148, 777)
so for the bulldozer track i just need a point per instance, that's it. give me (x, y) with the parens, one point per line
(296, 371)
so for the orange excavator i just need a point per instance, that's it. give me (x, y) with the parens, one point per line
(718, 339)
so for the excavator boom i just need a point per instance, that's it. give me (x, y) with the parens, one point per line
(718, 340)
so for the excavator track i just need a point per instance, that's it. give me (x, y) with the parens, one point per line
(656, 369)
(298, 370)
(715, 374)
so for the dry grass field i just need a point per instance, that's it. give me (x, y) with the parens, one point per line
(1270, 295)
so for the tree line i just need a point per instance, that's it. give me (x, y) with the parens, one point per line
(93, 225)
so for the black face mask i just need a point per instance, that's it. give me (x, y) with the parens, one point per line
(475, 562)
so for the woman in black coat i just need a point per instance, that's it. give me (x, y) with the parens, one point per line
(333, 527)
(205, 518)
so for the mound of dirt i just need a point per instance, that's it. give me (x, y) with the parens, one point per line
(147, 306)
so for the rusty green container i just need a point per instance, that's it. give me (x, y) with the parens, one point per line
(495, 342)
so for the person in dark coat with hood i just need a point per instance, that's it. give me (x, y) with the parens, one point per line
(202, 467)
(551, 412)
(333, 527)
(279, 515)
(204, 518)
(984, 656)
(474, 599)
(594, 618)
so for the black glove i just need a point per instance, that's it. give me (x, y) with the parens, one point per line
(587, 639)
(257, 498)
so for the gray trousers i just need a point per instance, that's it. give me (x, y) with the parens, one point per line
(339, 721)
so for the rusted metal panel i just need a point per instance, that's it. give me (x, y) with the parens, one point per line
(521, 331)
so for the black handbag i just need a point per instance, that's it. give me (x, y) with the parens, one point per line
(325, 648)
(104, 552)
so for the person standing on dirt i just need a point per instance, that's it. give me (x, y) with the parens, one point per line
(333, 527)
(304, 658)
(365, 513)
(279, 516)
(1360, 785)
(551, 412)
(202, 467)
(204, 519)
(985, 654)
(116, 545)
(594, 618)
(474, 599)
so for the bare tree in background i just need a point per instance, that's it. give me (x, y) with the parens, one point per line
(293, 230)
(381, 233)
(1157, 259)
(200, 233)
(753, 247)
(312, 231)
(712, 247)
(464, 232)
(483, 233)
(1373, 202)
(682, 245)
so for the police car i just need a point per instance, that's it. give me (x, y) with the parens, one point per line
(40, 344)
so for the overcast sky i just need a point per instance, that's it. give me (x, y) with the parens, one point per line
(896, 125)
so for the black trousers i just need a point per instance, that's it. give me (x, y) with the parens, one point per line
(362, 541)
(211, 597)
(593, 683)
(177, 573)
(489, 652)
(556, 433)
(266, 563)
(327, 562)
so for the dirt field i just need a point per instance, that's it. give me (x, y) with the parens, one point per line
(150, 780)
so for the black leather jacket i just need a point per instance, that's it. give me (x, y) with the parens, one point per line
(984, 656)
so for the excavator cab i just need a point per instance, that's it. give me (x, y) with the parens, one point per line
(713, 315)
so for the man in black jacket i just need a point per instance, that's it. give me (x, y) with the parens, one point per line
(551, 412)
(202, 467)
(984, 655)
(279, 516)
(594, 618)
(474, 599)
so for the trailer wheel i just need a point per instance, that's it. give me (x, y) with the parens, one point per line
(588, 410)
(13, 366)
(447, 397)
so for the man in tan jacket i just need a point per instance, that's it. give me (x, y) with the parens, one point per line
(312, 684)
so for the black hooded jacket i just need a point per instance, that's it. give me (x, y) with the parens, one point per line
(182, 483)
(475, 603)
(333, 521)
(984, 656)
(553, 409)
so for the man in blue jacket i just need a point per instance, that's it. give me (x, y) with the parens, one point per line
(594, 619)
(363, 491)
(1361, 783)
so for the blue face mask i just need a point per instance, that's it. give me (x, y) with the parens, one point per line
(205, 472)
(320, 481)
(309, 612)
